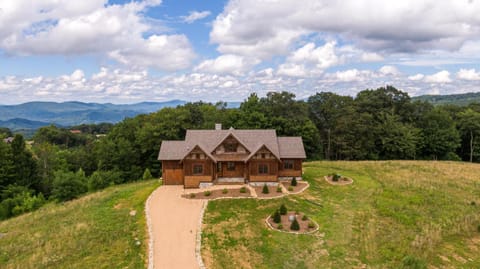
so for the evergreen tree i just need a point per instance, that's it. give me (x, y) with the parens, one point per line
(295, 226)
(277, 217)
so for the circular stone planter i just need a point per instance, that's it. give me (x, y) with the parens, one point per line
(341, 181)
(285, 221)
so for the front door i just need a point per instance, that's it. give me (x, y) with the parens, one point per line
(232, 169)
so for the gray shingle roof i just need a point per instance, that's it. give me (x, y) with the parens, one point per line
(281, 147)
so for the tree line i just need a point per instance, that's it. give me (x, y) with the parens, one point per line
(376, 124)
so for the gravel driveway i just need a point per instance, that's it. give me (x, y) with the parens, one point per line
(174, 222)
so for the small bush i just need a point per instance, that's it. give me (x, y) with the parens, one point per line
(280, 226)
(290, 188)
(410, 262)
(311, 225)
(277, 218)
(304, 217)
(472, 203)
(192, 195)
(207, 193)
(147, 175)
(295, 226)
(224, 191)
(283, 210)
(243, 190)
(336, 177)
(265, 189)
(294, 181)
(279, 189)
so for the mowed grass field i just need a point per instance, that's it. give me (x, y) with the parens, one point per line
(396, 214)
(96, 231)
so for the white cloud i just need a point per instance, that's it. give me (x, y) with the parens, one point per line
(195, 15)
(371, 57)
(121, 31)
(440, 77)
(416, 77)
(310, 60)
(389, 70)
(227, 63)
(272, 27)
(468, 74)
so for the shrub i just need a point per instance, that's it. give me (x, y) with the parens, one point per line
(283, 210)
(102, 179)
(295, 226)
(294, 181)
(243, 190)
(18, 200)
(279, 189)
(192, 195)
(277, 218)
(311, 225)
(304, 217)
(265, 189)
(280, 226)
(478, 228)
(224, 191)
(69, 185)
(207, 193)
(410, 262)
(290, 188)
(336, 177)
(147, 175)
(473, 203)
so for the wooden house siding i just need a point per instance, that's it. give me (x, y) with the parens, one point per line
(172, 173)
(296, 171)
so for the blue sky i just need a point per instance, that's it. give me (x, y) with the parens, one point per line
(153, 50)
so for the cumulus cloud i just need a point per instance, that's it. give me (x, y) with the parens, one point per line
(227, 63)
(468, 74)
(271, 28)
(440, 77)
(195, 15)
(120, 31)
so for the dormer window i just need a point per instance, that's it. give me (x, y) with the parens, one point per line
(231, 147)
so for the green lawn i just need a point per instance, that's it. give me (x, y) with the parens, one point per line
(96, 231)
(394, 212)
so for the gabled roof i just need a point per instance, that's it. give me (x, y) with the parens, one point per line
(291, 147)
(252, 140)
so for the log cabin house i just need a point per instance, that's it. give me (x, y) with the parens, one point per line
(230, 156)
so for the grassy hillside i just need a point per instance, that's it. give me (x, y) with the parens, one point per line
(396, 214)
(96, 231)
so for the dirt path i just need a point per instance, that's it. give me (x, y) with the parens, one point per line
(174, 223)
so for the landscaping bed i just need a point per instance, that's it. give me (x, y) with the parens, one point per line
(336, 179)
(272, 191)
(294, 189)
(223, 193)
(285, 223)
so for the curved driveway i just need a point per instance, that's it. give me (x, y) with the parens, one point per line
(174, 223)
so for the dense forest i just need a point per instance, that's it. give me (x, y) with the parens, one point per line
(377, 124)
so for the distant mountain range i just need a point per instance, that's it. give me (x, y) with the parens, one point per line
(34, 115)
(463, 99)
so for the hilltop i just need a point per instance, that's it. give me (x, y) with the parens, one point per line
(463, 99)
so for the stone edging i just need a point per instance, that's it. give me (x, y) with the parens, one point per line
(149, 228)
(256, 196)
(288, 232)
(198, 246)
(334, 184)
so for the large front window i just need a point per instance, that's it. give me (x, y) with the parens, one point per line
(231, 166)
(263, 168)
(197, 169)
(288, 164)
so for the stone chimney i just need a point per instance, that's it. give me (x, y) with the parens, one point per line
(218, 126)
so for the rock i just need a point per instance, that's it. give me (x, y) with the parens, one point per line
(133, 213)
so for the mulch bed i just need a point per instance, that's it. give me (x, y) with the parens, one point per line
(286, 223)
(218, 194)
(299, 187)
(272, 192)
(341, 180)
